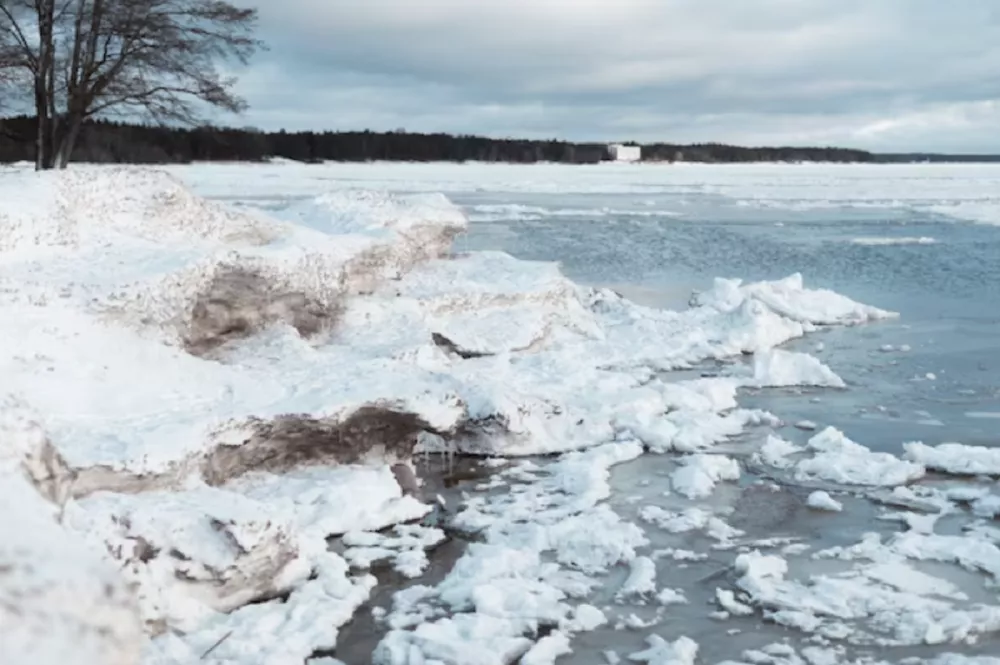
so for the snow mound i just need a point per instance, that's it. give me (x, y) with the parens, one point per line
(86, 207)
(135, 245)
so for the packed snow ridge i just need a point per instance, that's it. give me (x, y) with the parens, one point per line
(199, 398)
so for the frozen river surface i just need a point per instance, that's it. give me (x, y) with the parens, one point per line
(218, 405)
(894, 574)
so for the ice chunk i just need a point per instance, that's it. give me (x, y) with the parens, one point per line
(727, 600)
(641, 579)
(681, 651)
(671, 597)
(956, 458)
(586, 618)
(840, 460)
(547, 650)
(823, 501)
(698, 474)
(777, 368)
(789, 298)
(776, 452)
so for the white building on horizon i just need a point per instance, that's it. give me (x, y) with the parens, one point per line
(625, 153)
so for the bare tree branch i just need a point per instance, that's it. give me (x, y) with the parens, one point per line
(157, 58)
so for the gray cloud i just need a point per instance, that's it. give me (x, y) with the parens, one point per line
(881, 74)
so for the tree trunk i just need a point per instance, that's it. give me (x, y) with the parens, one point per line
(71, 132)
(41, 137)
(45, 84)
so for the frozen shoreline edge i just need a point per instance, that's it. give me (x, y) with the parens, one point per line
(701, 401)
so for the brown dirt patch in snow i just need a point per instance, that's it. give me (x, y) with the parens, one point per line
(291, 441)
(240, 301)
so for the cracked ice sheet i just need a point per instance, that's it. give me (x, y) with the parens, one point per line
(783, 654)
(406, 546)
(542, 544)
(885, 602)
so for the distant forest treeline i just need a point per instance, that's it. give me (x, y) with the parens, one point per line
(125, 143)
(141, 144)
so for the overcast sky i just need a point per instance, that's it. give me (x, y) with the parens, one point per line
(875, 74)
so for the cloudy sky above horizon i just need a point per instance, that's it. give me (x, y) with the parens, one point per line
(875, 74)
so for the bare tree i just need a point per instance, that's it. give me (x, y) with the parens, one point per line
(158, 58)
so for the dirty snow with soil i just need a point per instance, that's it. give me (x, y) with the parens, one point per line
(198, 398)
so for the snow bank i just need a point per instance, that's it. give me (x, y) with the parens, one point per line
(60, 601)
(136, 246)
(80, 208)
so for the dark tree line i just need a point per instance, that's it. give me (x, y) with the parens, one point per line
(717, 152)
(101, 141)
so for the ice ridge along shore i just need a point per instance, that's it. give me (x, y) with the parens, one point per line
(195, 399)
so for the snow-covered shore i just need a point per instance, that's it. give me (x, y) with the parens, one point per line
(213, 394)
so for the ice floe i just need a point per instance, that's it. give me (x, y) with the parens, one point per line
(956, 458)
(874, 241)
(838, 459)
(776, 368)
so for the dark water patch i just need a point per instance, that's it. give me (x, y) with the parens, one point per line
(441, 475)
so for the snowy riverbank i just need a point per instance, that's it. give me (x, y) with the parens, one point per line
(201, 397)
